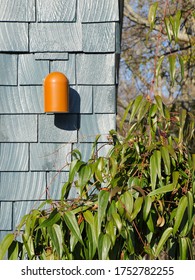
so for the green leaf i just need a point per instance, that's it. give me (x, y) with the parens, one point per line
(190, 248)
(158, 66)
(99, 169)
(84, 175)
(168, 28)
(54, 217)
(104, 244)
(113, 166)
(159, 104)
(147, 207)
(117, 221)
(166, 234)
(175, 178)
(166, 160)
(143, 110)
(72, 224)
(183, 248)
(65, 190)
(126, 201)
(172, 66)
(13, 251)
(137, 207)
(5, 244)
(163, 189)
(157, 155)
(111, 231)
(130, 243)
(180, 212)
(29, 245)
(190, 204)
(184, 227)
(74, 167)
(193, 162)
(153, 110)
(77, 155)
(91, 221)
(56, 235)
(103, 199)
(31, 221)
(175, 23)
(131, 131)
(155, 168)
(150, 222)
(152, 14)
(135, 107)
(91, 247)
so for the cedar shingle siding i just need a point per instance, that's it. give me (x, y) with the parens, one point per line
(80, 38)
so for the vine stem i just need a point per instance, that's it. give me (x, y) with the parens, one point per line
(140, 237)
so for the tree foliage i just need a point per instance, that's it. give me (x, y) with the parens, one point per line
(136, 202)
(158, 52)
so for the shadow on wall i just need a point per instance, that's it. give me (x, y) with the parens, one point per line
(70, 121)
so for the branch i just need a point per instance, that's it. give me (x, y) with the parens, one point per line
(133, 16)
(175, 51)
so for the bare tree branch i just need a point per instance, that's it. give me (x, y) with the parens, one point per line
(133, 16)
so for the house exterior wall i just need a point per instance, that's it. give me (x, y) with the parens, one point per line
(80, 38)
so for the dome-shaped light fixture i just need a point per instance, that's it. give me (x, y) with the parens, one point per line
(56, 93)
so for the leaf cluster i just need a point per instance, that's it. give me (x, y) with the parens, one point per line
(136, 202)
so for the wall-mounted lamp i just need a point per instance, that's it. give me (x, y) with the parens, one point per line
(56, 93)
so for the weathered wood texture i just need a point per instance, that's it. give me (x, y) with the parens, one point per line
(80, 38)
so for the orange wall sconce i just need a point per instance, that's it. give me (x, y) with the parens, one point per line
(56, 93)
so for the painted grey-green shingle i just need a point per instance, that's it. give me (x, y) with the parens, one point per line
(67, 67)
(95, 69)
(54, 37)
(14, 37)
(58, 128)
(31, 71)
(25, 185)
(9, 99)
(49, 157)
(31, 99)
(55, 182)
(6, 216)
(8, 69)
(17, 10)
(118, 38)
(99, 37)
(21, 100)
(99, 10)
(14, 157)
(104, 99)
(51, 56)
(56, 10)
(18, 128)
(92, 125)
(79, 38)
(81, 99)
